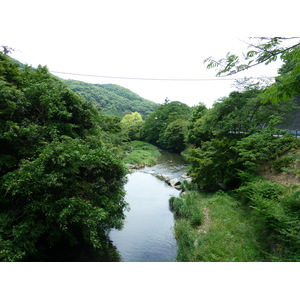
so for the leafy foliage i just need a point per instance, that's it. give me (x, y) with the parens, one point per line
(230, 144)
(225, 232)
(132, 125)
(113, 99)
(214, 165)
(61, 185)
(141, 154)
(287, 84)
(278, 207)
(266, 50)
(238, 132)
(259, 148)
(166, 121)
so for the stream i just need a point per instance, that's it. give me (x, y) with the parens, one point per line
(148, 232)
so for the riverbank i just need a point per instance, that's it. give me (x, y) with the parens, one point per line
(148, 233)
(140, 154)
(215, 227)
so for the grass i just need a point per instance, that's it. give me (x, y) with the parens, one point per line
(141, 154)
(228, 233)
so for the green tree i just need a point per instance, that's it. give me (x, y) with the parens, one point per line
(214, 165)
(215, 159)
(194, 135)
(132, 125)
(159, 120)
(113, 99)
(266, 50)
(61, 184)
(174, 136)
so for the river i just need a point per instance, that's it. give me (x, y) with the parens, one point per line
(148, 232)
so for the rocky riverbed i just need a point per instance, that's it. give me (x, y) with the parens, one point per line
(170, 180)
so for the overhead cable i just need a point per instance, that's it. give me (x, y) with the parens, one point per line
(158, 79)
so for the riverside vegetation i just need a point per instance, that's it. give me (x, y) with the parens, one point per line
(62, 165)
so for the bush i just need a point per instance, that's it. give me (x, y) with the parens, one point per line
(185, 237)
(142, 154)
(283, 163)
(259, 148)
(61, 184)
(213, 165)
(279, 208)
(188, 209)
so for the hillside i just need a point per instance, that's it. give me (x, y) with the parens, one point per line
(113, 99)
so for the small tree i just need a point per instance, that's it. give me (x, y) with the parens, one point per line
(132, 125)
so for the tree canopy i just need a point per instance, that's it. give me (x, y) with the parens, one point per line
(169, 119)
(266, 50)
(61, 184)
(113, 99)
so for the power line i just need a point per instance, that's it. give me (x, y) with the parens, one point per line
(157, 79)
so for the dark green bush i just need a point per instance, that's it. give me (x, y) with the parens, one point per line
(279, 208)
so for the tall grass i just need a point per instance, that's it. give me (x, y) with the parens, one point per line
(142, 154)
(231, 233)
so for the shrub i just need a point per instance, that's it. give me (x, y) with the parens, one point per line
(188, 209)
(283, 163)
(279, 208)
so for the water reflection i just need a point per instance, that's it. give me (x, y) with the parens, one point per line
(148, 230)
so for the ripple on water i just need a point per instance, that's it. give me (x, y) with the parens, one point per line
(148, 233)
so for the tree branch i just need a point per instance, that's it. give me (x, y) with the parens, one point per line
(262, 61)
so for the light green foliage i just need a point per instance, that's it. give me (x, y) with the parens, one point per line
(187, 208)
(132, 125)
(195, 131)
(231, 143)
(288, 83)
(225, 234)
(61, 185)
(283, 163)
(266, 50)
(113, 99)
(141, 154)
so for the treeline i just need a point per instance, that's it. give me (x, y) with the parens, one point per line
(228, 147)
(61, 178)
(113, 99)
(61, 170)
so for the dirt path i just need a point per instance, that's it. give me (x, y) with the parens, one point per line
(206, 222)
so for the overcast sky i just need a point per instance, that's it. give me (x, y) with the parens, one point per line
(141, 39)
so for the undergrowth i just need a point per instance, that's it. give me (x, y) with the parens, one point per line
(141, 154)
(231, 235)
(260, 221)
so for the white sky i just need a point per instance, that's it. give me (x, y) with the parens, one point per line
(150, 39)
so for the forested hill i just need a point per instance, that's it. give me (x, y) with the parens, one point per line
(114, 99)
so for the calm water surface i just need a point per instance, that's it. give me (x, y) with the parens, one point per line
(148, 233)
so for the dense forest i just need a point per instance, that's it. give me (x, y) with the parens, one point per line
(245, 168)
(61, 181)
(113, 99)
(62, 163)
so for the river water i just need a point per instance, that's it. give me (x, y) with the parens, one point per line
(148, 233)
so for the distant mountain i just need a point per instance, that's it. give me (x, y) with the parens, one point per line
(112, 98)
